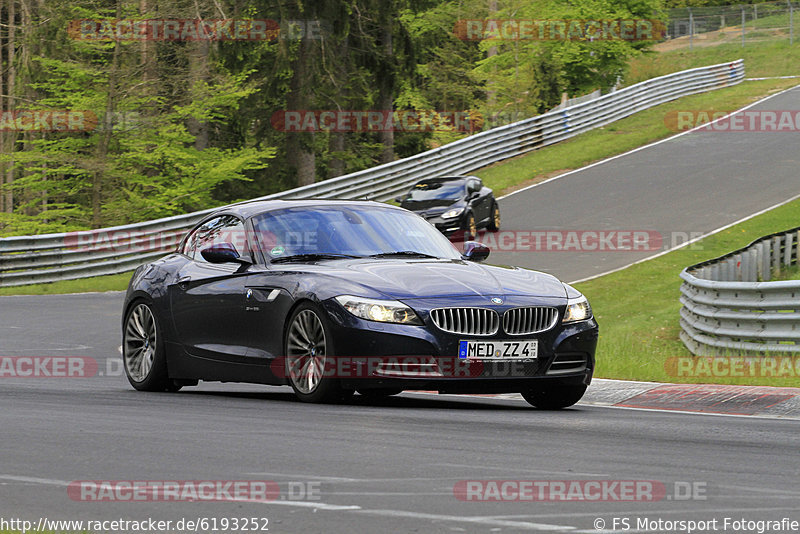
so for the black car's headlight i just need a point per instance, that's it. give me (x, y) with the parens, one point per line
(578, 309)
(452, 213)
(383, 311)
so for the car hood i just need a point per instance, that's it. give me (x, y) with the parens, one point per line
(407, 279)
(433, 205)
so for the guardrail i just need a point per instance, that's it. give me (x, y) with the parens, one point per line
(66, 256)
(731, 306)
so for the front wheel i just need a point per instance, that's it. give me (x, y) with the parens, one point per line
(554, 397)
(309, 348)
(143, 351)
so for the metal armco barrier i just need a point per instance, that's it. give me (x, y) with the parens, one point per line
(730, 306)
(68, 256)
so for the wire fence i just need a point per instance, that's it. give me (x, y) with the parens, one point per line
(709, 26)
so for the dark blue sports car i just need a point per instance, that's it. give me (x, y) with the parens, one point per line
(332, 297)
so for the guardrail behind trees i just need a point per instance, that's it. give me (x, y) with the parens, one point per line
(66, 256)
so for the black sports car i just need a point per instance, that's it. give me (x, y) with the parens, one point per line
(331, 297)
(457, 205)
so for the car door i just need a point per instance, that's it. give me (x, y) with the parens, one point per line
(208, 300)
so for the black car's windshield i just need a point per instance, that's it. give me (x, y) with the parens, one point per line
(444, 190)
(317, 233)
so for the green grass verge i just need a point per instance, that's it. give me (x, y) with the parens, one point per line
(112, 282)
(638, 307)
(761, 59)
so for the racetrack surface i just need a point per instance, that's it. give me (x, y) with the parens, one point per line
(685, 186)
(391, 466)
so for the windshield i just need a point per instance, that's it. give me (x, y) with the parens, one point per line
(451, 190)
(341, 231)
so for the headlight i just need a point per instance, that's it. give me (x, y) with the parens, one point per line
(578, 309)
(384, 311)
(452, 213)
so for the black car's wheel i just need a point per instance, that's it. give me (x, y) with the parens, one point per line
(554, 397)
(379, 393)
(143, 351)
(309, 348)
(494, 222)
(471, 227)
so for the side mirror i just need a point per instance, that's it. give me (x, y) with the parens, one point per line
(474, 251)
(399, 199)
(222, 253)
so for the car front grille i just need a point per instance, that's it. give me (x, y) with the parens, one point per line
(468, 321)
(529, 320)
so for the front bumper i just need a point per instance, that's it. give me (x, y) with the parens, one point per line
(382, 355)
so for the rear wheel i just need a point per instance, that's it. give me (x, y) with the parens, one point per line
(143, 351)
(494, 222)
(309, 349)
(554, 397)
(471, 227)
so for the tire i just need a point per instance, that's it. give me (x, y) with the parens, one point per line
(494, 220)
(554, 397)
(470, 228)
(143, 352)
(308, 345)
(378, 393)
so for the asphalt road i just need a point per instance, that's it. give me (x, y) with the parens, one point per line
(687, 186)
(392, 466)
(388, 466)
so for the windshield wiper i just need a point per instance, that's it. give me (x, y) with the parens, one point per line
(402, 253)
(312, 257)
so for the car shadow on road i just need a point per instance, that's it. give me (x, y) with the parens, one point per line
(411, 400)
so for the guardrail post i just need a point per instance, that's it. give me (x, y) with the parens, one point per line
(776, 255)
(743, 20)
(691, 29)
(787, 250)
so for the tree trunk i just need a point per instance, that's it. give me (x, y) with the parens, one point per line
(300, 145)
(198, 72)
(2, 109)
(11, 80)
(491, 94)
(386, 96)
(98, 177)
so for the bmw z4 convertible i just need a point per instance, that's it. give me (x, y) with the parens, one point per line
(333, 297)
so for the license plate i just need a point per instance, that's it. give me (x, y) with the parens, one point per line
(498, 350)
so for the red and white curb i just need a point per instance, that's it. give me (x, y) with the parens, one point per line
(717, 399)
